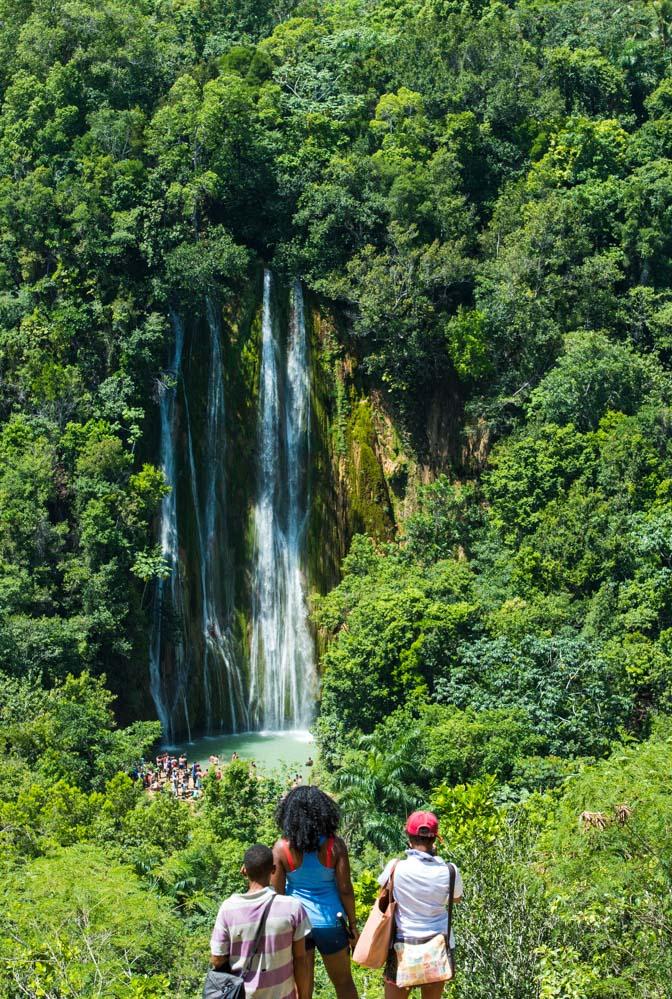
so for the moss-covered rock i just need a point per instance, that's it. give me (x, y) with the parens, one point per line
(368, 497)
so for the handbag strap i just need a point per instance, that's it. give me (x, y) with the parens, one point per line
(451, 892)
(390, 881)
(257, 939)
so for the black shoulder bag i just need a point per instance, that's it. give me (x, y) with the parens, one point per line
(230, 984)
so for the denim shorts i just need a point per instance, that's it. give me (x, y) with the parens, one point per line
(327, 939)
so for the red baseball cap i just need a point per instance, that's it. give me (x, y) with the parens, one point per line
(422, 824)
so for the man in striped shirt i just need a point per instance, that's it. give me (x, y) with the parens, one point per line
(279, 969)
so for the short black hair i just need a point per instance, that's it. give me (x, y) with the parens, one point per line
(422, 840)
(258, 862)
(305, 815)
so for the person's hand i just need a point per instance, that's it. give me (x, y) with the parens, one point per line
(354, 937)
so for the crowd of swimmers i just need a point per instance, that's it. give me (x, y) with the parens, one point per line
(176, 775)
(172, 774)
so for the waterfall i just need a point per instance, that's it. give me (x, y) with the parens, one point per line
(168, 593)
(281, 655)
(206, 631)
(300, 648)
(222, 680)
(195, 663)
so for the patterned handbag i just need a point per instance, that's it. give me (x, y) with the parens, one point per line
(430, 960)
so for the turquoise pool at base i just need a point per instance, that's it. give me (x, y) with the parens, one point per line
(269, 750)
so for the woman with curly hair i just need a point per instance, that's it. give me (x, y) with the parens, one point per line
(311, 863)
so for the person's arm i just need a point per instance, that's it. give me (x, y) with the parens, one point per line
(219, 943)
(344, 885)
(278, 877)
(301, 973)
(458, 890)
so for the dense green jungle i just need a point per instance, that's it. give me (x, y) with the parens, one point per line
(477, 197)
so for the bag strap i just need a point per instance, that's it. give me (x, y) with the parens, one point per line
(390, 881)
(390, 899)
(257, 939)
(451, 892)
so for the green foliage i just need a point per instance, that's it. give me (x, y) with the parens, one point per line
(393, 609)
(467, 334)
(71, 733)
(462, 746)
(397, 294)
(76, 923)
(442, 525)
(234, 805)
(201, 873)
(592, 377)
(609, 869)
(576, 700)
(377, 787)
(504, 920)
(468, 813)
(483, 192)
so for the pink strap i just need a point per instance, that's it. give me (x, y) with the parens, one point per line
(288, 855)
(330, 851)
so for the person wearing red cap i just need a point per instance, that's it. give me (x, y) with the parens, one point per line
(421, 891)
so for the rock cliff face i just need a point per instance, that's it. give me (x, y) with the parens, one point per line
(359, 476)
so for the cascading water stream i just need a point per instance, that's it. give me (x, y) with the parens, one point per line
(168, 594)
(195, 665)
(207, 634)
(281, 655)
(221, 672)
(300, 648)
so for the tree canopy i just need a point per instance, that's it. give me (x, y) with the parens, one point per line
(477, 196)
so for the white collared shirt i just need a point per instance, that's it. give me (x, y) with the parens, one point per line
(421, 885)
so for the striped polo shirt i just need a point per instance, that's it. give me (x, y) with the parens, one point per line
(272, 972)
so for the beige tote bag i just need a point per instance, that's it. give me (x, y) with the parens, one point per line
(374, 943)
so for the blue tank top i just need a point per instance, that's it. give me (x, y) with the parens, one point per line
(314, 885)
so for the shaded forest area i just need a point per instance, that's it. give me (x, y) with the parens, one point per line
(482, 192)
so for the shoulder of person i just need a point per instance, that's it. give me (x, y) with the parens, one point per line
(387, 870)
(292, 907)
(229, 904)
(446, 866)
(294, 904)
(340, 846)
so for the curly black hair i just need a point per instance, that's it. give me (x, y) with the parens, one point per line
(305, 814)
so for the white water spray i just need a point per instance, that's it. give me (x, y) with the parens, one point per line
(168, 590)
(282, 666)
(186, 644)
(222, 681)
